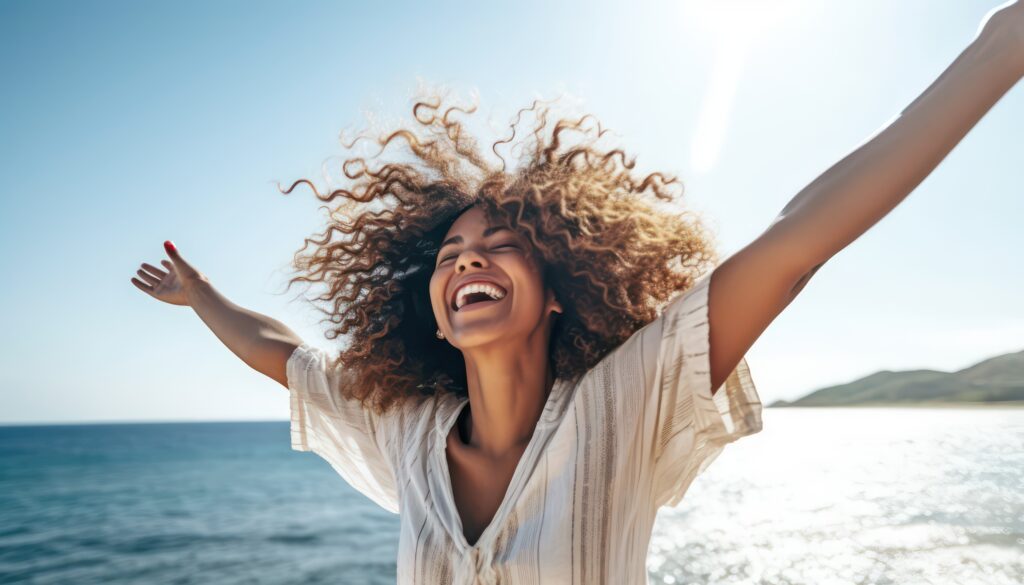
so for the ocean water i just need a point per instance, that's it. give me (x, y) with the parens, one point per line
(821, 496)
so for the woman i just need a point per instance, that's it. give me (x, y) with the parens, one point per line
(511, 386)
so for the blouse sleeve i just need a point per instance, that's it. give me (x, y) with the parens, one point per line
(692, 426)
(349, 437)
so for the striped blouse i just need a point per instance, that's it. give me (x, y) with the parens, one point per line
(626, 438)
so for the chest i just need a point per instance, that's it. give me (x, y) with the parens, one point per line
(479, 485)
(566, 507)
(570, 517)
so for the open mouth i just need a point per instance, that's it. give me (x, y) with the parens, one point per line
(476, 296)
(479, 304)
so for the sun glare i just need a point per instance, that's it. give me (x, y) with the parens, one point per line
(734, 26)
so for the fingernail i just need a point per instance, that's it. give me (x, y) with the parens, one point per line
(169, 246)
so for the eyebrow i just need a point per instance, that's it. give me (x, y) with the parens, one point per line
(487, 232)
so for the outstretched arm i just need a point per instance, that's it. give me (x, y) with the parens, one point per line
(755, 284)
(263, 343)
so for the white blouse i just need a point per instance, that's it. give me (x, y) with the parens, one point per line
(629, 437)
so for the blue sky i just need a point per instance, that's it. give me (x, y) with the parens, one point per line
(123, 124)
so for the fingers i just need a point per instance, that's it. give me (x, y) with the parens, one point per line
(183, 268)
(142, 286)
(149, 278)
(153, 269)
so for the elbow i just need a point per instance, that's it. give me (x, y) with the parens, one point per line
(802, 281)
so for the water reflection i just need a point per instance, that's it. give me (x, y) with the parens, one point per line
(866, 495)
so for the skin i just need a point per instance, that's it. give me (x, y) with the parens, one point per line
(506, 349)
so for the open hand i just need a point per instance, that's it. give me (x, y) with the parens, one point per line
(169, 285)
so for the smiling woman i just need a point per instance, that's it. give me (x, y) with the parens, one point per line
(541, 358)
(515, 385)
(593, 229)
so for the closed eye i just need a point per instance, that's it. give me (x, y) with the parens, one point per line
(450, 256)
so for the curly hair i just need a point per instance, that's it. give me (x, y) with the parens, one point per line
(609, 253)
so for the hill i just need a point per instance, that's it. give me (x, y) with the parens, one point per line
(997, 380)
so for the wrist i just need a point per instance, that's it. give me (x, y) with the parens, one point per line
(196, 286)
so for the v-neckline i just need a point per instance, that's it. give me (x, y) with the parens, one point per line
(451, 518)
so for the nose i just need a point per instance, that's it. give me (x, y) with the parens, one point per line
(470, 257)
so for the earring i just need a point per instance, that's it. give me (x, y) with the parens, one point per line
(439, 334)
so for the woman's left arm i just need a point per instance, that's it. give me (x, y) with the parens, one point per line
(855, 193)
(755, 284)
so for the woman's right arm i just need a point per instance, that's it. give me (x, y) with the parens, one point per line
(265, 344)
(362, 445)
(262, 342)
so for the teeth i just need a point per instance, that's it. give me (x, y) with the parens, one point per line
(491, 290)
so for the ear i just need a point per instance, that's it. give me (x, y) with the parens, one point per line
(552, 303)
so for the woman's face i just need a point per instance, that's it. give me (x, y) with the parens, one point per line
(505, 263)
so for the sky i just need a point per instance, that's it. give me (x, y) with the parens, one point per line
(124, 124)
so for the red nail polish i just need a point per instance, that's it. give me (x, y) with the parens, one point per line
(169, 246)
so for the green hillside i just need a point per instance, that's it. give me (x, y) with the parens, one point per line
(996, 380)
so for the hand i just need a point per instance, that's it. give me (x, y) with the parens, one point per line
(171, 285)
(1006, 23)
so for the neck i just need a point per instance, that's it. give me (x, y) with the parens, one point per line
(509, 384)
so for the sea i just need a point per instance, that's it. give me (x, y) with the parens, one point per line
(821, 496)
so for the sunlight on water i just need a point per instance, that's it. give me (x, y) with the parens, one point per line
(819, 497)
(840, 496)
